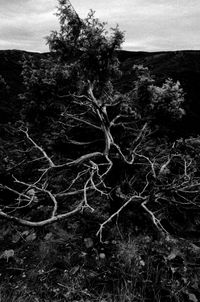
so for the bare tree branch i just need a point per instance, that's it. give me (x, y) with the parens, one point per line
(132, 198)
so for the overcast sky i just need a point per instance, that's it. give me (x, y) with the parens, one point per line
(149, 25)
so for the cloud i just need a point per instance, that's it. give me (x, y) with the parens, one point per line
(25, 23)
(20, 7)
(149, 24)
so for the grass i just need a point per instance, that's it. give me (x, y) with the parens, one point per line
(59, 265)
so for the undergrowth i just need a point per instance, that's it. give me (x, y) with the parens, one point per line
(61, 264)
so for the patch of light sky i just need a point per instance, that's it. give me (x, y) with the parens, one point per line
(149, 25)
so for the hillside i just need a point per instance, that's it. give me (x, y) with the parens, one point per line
(179, 65)
(10, 70)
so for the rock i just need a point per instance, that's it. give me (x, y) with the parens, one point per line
(102, 256)
(7, 254)
(31, 237)
(48, 236)
(16, 238)
(88, 243)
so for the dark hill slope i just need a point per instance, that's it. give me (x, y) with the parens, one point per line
(179, 65)
(10, 70)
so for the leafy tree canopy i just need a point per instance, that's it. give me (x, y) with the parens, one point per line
(87, 44)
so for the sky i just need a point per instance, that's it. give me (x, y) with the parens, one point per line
(149, 25)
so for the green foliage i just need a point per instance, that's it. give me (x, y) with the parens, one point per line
(42, 80)
(81, 52)
(162, 105)
(167, 100)
(90, 48)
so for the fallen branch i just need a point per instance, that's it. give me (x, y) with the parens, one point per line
(132, 198)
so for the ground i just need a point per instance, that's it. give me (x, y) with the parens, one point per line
(62, 262)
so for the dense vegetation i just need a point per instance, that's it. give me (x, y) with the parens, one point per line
(96, 184)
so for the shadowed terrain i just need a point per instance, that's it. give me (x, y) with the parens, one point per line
(183, 66)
